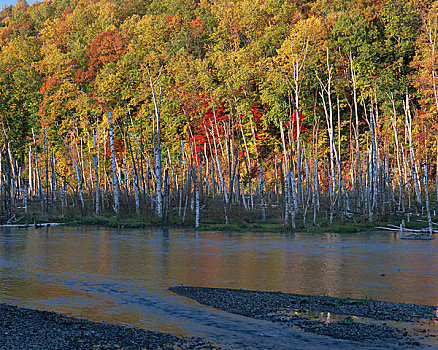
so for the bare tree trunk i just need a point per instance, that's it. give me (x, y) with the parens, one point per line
(181, 155)
(431, 27)
(174, 182)
(426, 194)
(197, 208)
(157, 150)
(136, 189)
(316, 189)
(78, 173)
(224, 189)
(41, 193)
(30, 172)
(298, 61)
(369, 190)
(114, 166)
(328, 111)
(6, 185)
(399, 167)
(373, 182)
(158, 168)
(286, 200)
(262, 195)
(46, 166)
(96, 176)
(134, 173)
(54, 177)
(166, 201)
(25, 198)
(358, 178)
(213, 182)
(411, 150)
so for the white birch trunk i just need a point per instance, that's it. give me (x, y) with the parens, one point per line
(114, 166)
(158, 168)
(30, 171)
(197, 208)
(426, 194)
(136, 190)
(411, 150)
(157, 150)
(41, 193)
(262, 195)
(96, 183)
(245, 205)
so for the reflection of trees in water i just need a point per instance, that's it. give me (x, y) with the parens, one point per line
(163, 250)
(35, 263)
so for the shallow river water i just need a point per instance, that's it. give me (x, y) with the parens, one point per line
(122, 276)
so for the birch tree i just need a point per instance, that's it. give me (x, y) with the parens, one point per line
(114, 165)
(157, 143)
(408, 123)
(298, 61)
(326, 96)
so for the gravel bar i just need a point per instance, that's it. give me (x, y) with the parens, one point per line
(293, 310)
(22, 328)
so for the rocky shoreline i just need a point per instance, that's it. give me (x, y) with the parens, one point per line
(22, 328)
(340, 318)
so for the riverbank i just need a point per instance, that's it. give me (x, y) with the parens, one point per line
(354, 224)
(22, 328)
(405, 325)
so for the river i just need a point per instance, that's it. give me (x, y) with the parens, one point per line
(122, 276)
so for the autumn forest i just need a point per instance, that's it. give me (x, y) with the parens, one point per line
(294, 112)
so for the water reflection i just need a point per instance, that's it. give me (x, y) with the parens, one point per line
(123, 275)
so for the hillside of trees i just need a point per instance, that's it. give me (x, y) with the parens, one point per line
(244, 109)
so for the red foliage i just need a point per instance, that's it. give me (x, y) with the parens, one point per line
(48, 85)
(119, 146)
(173, 21)
(67, 12)
(210, 126)
(197, 26)
(292, 124)
(260, 134)
(80, 75)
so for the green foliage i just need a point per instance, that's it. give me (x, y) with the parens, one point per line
(71, 61)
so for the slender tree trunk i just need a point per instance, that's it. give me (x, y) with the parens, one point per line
(41, 193)
(245, 205)
(46, 166)
(358, 178)
(181, 178)
(96, 176)
(315, 190)
(114, 166)
(197, 208)
(158, 168)
(426, 195)
(262, 195)
(30, 172)
(411, 151)
(166, 201)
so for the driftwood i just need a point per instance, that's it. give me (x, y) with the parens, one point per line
(405, 230)
(46, 224)
(411, 234)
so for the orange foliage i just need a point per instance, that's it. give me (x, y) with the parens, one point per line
(198, 27)
(106, 48)
(48, 85)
